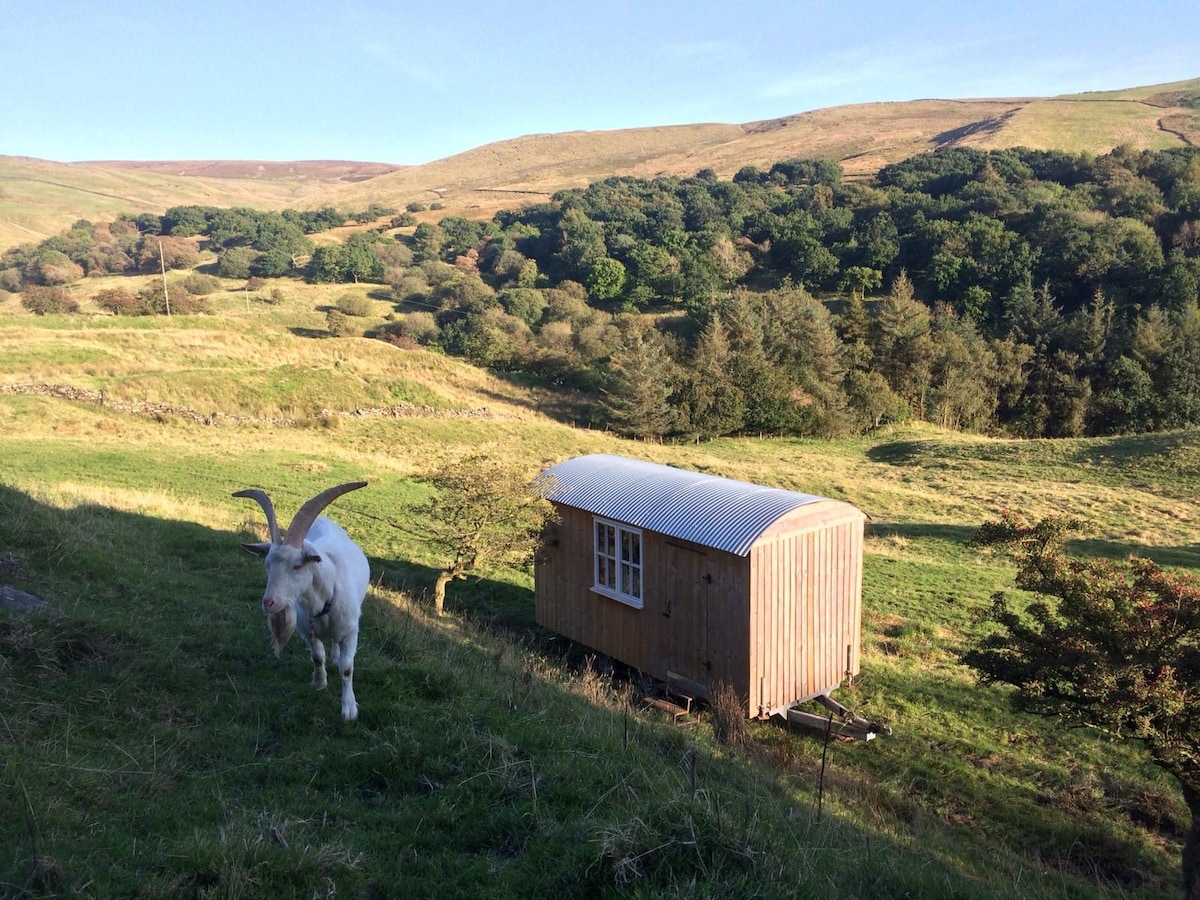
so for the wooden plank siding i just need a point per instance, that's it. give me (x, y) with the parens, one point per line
(805, 606)
(779, 625)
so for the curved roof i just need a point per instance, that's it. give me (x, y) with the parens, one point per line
(705, 509)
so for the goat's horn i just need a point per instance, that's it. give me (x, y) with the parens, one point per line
(265, 502)
(308, 513)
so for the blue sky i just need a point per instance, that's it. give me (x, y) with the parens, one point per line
(407, 82)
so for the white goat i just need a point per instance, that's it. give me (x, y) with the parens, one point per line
(317, 579)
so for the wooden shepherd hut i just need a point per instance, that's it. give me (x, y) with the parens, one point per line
(697, 580)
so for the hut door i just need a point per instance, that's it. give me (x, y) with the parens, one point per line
(685, 615)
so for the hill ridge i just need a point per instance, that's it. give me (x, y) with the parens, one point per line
(43, 197)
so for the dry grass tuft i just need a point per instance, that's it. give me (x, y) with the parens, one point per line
(729, 717)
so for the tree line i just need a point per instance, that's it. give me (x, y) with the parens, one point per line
(1029, 292)
(1037, 293)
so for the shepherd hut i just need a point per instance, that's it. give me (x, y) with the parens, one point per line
(698, 581)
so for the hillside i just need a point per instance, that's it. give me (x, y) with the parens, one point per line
(40, 198)
(487, 757)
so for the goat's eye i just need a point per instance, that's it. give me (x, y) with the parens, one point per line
(297, 567)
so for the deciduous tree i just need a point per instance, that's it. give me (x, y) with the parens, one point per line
(1108, 645)
(485, 513)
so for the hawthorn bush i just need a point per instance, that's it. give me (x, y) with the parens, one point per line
(1107, 645)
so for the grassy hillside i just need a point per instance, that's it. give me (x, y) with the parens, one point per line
(151, 745)
(41, 198)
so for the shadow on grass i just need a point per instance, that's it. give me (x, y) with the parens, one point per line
(953, 534)
(1131, 448)
(1180, 556)
(1183, 556)
(898, 453)
(564, 401)
(313, 333)
(976, 774)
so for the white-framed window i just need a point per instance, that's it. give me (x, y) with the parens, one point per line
(618, 562)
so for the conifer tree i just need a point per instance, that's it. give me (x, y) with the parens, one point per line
(637, 400)
(716, 406)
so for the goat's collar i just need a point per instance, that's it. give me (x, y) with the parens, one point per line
(312, 623)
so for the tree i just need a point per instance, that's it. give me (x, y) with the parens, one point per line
(45, 301)
(1108, 645)
(872, 400)
(427, 240)
(361, 263)
(715, 406)
(854, 328)
(172, 253)
(637, 398)
(185, 221)
(53, 268)
(860, 279)
(605, 278)
(485, 513)
(526, 304)
(236, 262)
(328, 264)
(903, 349)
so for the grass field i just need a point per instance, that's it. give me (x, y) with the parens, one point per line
(151, 746)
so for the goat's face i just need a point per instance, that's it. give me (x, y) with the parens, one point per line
(289, 577)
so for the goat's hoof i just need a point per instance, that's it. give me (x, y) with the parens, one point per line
(351, 714)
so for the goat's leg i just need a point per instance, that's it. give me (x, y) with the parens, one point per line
(344, 651)
(317, 649)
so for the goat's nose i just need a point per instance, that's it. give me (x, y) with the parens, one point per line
(269, 604)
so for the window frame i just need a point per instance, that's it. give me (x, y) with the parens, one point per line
(615, 563)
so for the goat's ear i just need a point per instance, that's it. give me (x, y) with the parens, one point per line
(259, 549)
(311, 557)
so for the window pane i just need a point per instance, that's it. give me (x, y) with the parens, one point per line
(636, 583)
(601, 570)
(635, 555)
(625, 580)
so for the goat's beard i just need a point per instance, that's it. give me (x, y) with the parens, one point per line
(282, 623)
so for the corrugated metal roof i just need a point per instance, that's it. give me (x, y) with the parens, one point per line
(692, 506)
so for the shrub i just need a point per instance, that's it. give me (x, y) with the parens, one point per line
(403, 220)
(410, 286)
(524, 303)
(45, 301)
(183, 303)
(421, 326)
(201, 285)
(55, 268)
(352, 304)
(236, 262)
(119, 302)
(10, 280)
(416, 207)
(341, 325)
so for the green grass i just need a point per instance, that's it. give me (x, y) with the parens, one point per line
(150, 744)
